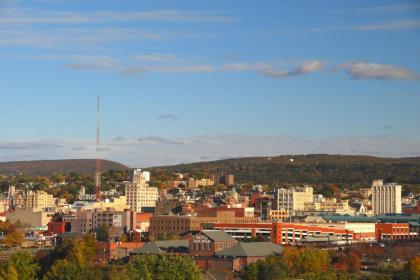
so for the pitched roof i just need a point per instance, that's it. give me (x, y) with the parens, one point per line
(148, 248)
(172, 243)
(217, 235)
(251, 249)
(160, 247)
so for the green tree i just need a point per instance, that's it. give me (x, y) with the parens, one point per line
(58, 178)
(311, 260)
(20, 266)
(8, 272)
(101, 233)
(82, 251)
(68, 270)
(164, 267)
(75, 257)
(25, 264)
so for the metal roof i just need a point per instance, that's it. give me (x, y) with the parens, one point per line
(160, 247)
(217, 235)
(251, 249)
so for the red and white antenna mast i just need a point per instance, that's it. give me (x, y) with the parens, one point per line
(98, 159)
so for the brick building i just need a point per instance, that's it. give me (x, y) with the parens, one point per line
(161, 226)
(58, 225)
(393, 231)
(208, 242)
(237, 257)
(111, 251)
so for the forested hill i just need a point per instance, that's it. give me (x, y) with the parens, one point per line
(49, 167)
(312, 169)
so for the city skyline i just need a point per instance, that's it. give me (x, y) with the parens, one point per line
(181, 81)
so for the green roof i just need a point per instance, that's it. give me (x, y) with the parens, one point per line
(217, 235)
(160, 247)
(148, 248)
(251, 249)
(348, 218)
(383, 218)
(399, 218)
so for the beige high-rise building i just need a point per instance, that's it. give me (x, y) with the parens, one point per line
(293, 199)
(386, 198)
(140, 196)
(39, 200)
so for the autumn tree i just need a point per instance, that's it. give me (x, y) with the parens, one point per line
(311, 260)
(413, 268)
(76, 262)
(13, 239)
(270, 268)
(20, 266)
(165, 267)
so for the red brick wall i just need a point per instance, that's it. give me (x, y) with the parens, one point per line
(392, 231)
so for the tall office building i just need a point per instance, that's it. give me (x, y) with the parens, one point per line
(292, 199)
(141, 197)
(386, 198)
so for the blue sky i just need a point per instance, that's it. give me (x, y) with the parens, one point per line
(184, 81)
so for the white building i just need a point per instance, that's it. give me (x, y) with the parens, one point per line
(141, 197)
(293, 199)
(385, 198)
(362, 231)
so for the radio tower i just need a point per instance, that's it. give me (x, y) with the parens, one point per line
(98, 160)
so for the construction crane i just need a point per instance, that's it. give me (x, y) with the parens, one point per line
(98, 159)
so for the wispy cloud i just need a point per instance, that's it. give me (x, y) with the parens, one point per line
(157, 64)
(190, 149)
(168, 116)
(307, 67)
(155, 57)
(379, 26)
(392, 25)
(28, 145)
(23, 16)
(119, 139)
(159, 140)
(389, 9)
(244, 67)
(191, 68)
(366, 70)
(73, 38)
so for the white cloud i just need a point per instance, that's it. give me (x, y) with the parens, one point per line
(307, 67)
(168, 116)
(26, 16)
(74, 38)
(191, 68)
(155, 57)
(160, 140)
(244, 67)
(23, 16)
(158, 150)
(389, 9)
(365, 70)
(381, 26)
(392, 25)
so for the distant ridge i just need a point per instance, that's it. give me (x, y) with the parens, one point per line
(49, 167)
(311, 169)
